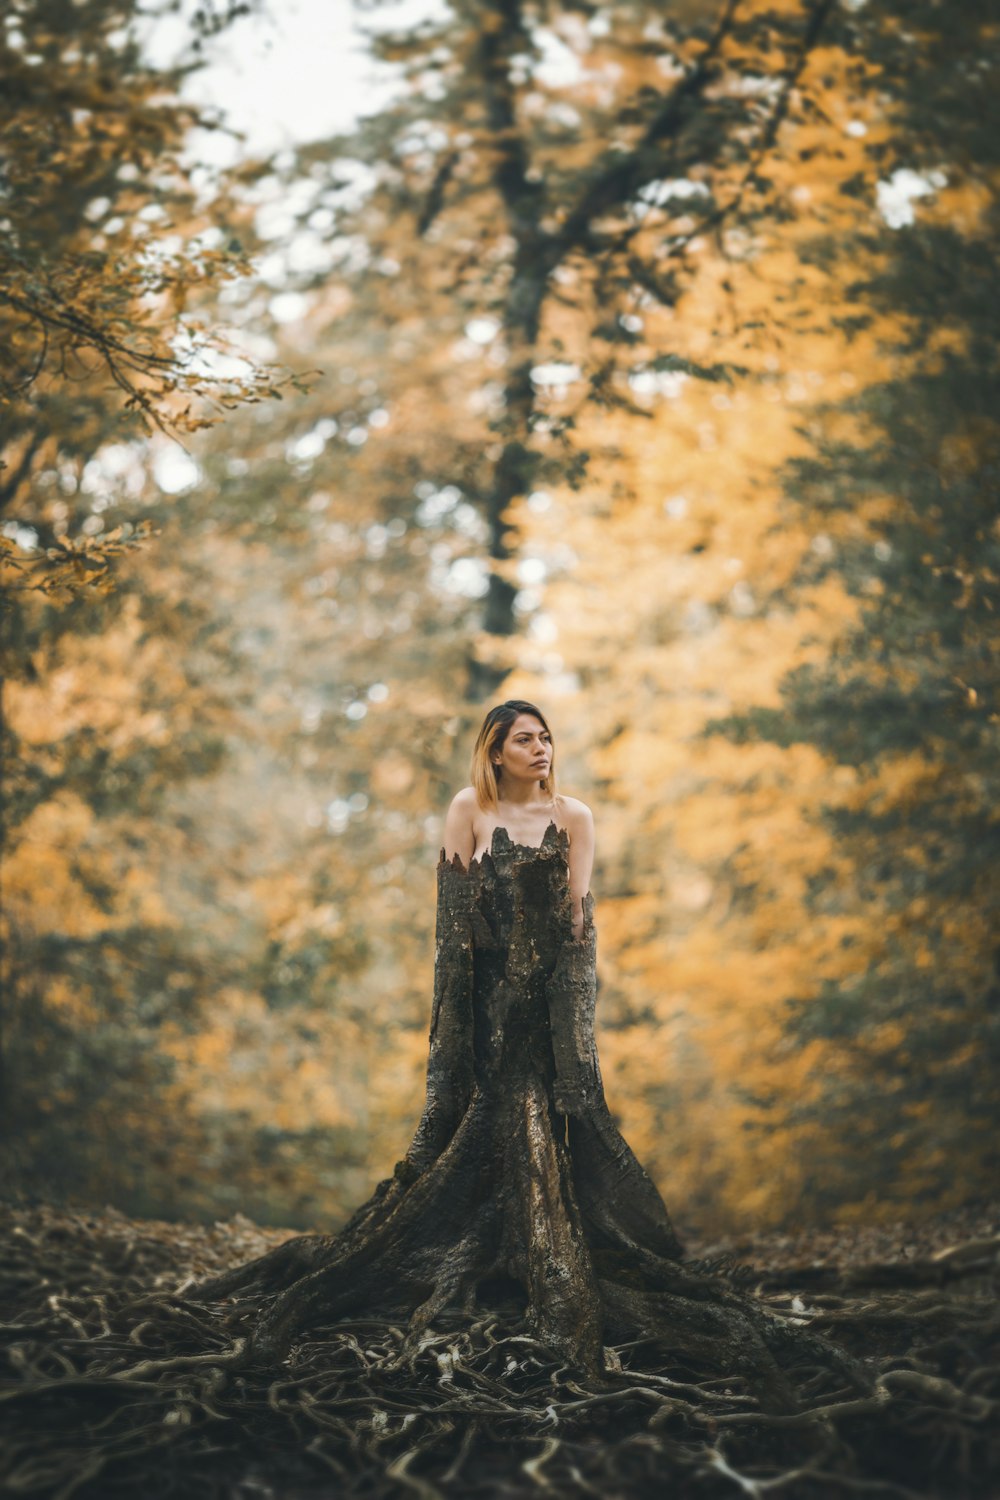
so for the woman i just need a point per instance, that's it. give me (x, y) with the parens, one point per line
(514, 788)
(517, 1184)
(517, 1190)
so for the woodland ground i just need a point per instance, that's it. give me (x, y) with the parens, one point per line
(114, 1385)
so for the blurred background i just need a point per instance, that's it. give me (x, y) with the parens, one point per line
(363, 366)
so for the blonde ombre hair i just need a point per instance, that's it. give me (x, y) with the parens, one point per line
(495, 729)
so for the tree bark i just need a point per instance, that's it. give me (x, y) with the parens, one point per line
(517, 1183)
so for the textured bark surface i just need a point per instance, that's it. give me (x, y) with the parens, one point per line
(517, 1186)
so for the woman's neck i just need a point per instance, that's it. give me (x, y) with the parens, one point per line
(530, 794)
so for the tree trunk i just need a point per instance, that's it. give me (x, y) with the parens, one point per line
(501, 33)
(517, 1183)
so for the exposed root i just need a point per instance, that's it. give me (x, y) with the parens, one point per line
(117, 1386)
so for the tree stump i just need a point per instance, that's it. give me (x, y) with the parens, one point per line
(517, 1183)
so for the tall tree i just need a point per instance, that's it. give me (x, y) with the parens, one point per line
(902, 484)
(589, 214)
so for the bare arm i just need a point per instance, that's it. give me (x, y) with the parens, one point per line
(459, 834)
(581, 860)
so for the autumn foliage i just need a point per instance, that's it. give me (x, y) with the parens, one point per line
(718, 489)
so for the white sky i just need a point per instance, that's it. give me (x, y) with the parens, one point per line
(298, 72)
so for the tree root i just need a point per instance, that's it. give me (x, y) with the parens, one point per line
(115, 1388)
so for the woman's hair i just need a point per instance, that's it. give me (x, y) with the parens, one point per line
(495, 729)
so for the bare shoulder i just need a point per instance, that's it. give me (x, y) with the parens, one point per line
(577, 816)
(460, 826)
(462, 812)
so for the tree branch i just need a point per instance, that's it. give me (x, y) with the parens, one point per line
(620, 174)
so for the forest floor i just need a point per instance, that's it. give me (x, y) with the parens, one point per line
(116, 1384)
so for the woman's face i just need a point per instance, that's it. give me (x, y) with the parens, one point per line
(526, 753)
